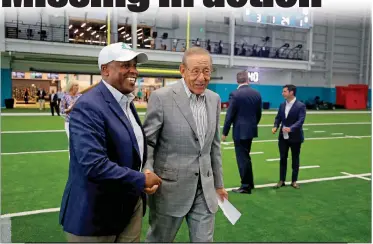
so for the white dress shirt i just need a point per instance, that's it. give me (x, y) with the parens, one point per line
(198, 107)
(244, 84)
(289, 105)
(124, 102)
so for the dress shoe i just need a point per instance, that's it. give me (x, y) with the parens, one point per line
(280, 184)
(242, 190)
(295, 185)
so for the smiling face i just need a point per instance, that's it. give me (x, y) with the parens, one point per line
(196, 72)
(121, 75)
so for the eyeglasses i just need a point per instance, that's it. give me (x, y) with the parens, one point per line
(197, 72)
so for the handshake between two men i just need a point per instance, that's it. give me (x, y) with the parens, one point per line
(152, 182)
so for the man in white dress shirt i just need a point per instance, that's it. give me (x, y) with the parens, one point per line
(104, 198)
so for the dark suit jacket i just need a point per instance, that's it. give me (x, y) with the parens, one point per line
(104, 183)
(245, 112)
(41, 95)
(295, 120)
(55, 98)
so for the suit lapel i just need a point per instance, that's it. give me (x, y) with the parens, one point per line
(283, 108)
(210, 115)
(182, 101)
(118, 111)
(134, 112)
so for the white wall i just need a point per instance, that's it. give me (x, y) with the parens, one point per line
(266, 76)
(52, 20)
(338, 53)
(316, 79)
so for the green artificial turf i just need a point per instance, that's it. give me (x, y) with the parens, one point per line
(329, 211)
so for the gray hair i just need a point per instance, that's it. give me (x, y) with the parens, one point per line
(195, 50)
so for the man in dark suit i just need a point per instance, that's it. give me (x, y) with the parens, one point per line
(291, 116)
(104, 198)
(53, 103)
(245, 112)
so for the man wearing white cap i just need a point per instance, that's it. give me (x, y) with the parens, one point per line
(104, 198)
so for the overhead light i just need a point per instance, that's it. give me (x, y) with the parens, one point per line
(129, 38)
(93, 33)
(90, 28)
(139, 30)
(140, 37)
(81, 34)
(127, 35)
(97, 36)
(70, 26)
(123, 32)
(140, 34)
(102, 27)
(147, 45)
(146, 40)
(121, 28)
(76, 31)
(83, 25)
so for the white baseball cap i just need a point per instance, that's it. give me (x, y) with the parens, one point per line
(119, 52)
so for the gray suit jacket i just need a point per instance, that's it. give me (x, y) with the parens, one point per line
(175, 153)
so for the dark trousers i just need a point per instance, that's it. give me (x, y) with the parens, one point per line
(55, 107)
(243, 148)
(284, 146)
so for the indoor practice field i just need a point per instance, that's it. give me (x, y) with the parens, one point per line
(333, 204)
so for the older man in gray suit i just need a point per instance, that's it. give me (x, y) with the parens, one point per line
(182, 129)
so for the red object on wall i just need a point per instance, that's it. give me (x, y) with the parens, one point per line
(224, 105)
(364, 90)
(353, 96)
(355, 99)
(340, 95)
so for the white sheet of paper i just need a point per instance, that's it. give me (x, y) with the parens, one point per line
(229, 211)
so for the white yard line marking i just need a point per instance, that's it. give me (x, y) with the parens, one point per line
(48, 210)
(31, 131)
(272, 159)
(266, 125)
(309, 167)
(250, 152)
(355, 137)
(322, 124)
(310, 181)
(223, 113)
(357, 176)
(34, 152)
(319, 131)
(337, 134)
(315, 138)
(51, 210)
